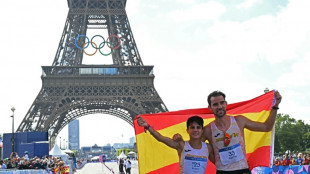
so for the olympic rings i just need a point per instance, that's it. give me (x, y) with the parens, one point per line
(96, 45)
(103, 53)
(119, 41)
(75, 41)
(101, 45)
(85, 47)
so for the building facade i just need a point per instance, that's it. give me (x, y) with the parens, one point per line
(74, 135)
(95, 150)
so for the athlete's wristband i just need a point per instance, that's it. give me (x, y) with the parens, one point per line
(275, 107)
(147, 127)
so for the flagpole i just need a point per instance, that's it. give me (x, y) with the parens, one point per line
(272, 139)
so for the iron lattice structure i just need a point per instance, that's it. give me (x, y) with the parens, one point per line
(71, 90)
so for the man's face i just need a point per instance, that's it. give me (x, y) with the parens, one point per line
(218, 106)
(194, 130)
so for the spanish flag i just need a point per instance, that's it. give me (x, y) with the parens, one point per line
(156, 158)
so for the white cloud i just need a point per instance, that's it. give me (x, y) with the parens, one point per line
(291, 104)
(188, 2)
(207, 11)
(216, 62)
(132, 7)
(248, 3)
(298, 76)
(275, 38)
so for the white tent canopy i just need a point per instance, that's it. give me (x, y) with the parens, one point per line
(95, 158)
(68, 151)
(122, 155)
(57, 152)
(131, 152)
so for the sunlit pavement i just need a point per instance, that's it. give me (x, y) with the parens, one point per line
(99, 168)
(92, 168)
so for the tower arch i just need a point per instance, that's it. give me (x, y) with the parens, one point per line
(71, 89)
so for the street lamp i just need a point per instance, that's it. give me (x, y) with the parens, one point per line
(13, 139)
(111, 152)
(122, 143)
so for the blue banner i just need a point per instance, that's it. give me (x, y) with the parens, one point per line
(303, 169)
(25, 172)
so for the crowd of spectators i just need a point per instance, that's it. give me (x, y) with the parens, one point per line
(292, 159)
(15, 162)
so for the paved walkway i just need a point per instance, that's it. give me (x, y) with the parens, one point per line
(108, 168)
(114, 167)
(93, 168)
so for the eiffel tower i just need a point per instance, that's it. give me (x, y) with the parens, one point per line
(71, 89)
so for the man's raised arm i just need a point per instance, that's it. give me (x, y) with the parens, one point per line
(268, 124)
(178, 145)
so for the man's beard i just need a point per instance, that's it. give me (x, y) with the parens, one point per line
(220, 115)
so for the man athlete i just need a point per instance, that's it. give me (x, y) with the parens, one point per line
(226, 134)
(193, 154)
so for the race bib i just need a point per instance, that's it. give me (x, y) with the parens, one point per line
(231, 154)
(195, 165)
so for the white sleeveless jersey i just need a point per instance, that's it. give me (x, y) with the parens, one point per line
(233, 156)
(194, 161)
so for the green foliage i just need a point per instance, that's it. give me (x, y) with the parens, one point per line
(75, 152)
(119, 151)
(291, 134)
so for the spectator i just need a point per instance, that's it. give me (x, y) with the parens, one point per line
(2, 164)
(293, 161)
(23, 165)
(14, 162)
(14, 155)
(121, 166)
(78, 162)
(26, 157)
(299, 159)
(20, 161)
(277, 162)
(37, 164)
(128, 166)
(9, 164)
(44, 164)
(285, 161)
(305, 160)
(74, 162)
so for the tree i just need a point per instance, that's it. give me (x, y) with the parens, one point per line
(125, 150)
(306, 140)
(277, 147)
(291, 134)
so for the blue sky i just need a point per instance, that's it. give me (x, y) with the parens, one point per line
(196, 46)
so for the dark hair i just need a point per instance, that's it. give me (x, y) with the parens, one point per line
(196, 119)
(215, 94)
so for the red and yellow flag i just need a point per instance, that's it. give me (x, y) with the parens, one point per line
(157, 158)
(65, 170)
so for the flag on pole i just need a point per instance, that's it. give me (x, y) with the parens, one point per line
(156, 158)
